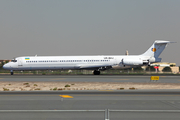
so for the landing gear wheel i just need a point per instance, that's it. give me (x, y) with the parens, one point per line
(96, 72)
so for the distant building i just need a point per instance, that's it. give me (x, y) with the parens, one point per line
(4, 61)
(162, 65)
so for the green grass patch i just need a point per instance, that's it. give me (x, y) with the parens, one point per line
(5, 89)
(37, 89)
(67, 85)
(25, 83)
(132, 88)
(55, 88)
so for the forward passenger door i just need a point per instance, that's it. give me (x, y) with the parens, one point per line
(20, 62)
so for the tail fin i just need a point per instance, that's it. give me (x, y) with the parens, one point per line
(156, 49)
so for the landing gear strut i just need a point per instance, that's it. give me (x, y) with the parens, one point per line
(96, 72)
(11, 72)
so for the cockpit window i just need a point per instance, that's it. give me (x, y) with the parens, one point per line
(13, 60)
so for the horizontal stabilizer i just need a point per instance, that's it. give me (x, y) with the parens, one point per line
(163, 42)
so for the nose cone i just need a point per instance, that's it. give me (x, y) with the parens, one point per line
(5, 66)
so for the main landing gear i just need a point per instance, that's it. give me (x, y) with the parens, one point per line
(96, 72)
(11, 72)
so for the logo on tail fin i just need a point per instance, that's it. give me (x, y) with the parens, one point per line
(153, 49)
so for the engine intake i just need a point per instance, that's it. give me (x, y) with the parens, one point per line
(134, 62)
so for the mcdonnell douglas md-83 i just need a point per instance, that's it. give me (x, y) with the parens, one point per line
(95, 63)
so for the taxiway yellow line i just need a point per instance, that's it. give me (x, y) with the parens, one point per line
(66, 96)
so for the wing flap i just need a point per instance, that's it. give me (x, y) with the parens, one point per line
(95, 66)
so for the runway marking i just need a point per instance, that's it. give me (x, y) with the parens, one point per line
(121, 79)
(29, 95)
(58, 79)
(66, 96)
(126, 95)
(52, 110)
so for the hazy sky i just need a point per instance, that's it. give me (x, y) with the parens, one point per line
(88, 27)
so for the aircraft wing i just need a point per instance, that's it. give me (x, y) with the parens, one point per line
(95, 67)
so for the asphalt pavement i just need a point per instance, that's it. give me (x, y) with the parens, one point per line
(87, 78)
(127, 104)
(88, 105)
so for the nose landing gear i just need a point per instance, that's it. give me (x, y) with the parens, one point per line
(11, 72)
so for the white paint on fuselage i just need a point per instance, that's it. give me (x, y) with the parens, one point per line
(87, 62)
(67, 62)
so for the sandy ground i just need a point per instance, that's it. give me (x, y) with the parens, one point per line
(47, 86)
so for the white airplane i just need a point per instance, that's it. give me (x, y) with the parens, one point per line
(96, 63)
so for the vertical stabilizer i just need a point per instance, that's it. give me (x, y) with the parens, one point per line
(156, 49)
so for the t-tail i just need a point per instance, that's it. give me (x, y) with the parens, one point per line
(156, 49)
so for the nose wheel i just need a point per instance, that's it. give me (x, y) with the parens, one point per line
(11, 72)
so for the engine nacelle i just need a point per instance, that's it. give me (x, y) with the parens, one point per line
(134, 62)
